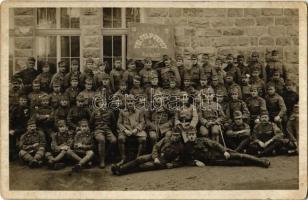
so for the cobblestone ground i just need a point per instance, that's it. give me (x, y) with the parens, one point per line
(283, 174)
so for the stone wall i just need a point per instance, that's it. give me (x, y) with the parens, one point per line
(24, 36)
(220, 31)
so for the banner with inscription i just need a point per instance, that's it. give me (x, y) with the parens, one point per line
(150, 40)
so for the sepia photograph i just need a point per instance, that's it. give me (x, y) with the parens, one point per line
(164, 97)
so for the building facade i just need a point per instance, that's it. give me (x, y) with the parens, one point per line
(54, 34)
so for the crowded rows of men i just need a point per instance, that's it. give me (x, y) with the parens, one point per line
(168, 112)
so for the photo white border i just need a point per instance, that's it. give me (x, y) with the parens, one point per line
(205, 194)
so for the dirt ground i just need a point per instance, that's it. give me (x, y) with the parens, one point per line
(282, 174)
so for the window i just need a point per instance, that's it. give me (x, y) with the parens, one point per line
(58, 36)
(115, 23)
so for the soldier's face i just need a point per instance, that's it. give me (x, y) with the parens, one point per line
(255, 73)
(167, 62)
(132, 66)
(123, 87)
(238, 121)
(179, 62)
(148, 64)
(45, 69)
(79, 103)
(74, 83)
(130, 103)
(36, 87)
(185, 98)
(186, 83)
(275, 57)
(203, 83)
(264, 118)
(172, 84)
(23, 102)
(218, 63)
(84, 127)
(254, 93)
(271, 90)
(215, 82)
(194, 61)
(117, 64)
(191, 136)
(62, 69)
(254, 58)
(229, 79)
(229, 60)
(74, 67)
(31, 127)
(234, 96)
(64, 102)
(45, 102)
(105, 82)
(31, 63)
(102, 67)
(240, 60)
(244, 79)
(205, 59)
(289, 87)
(276, 76)
(219, 98)
(90, 65)
(88, 86)
(62, 128)
(16, 86)
(56, 88)
(154, 81)
(136, 83)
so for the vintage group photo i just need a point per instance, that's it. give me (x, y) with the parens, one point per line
(133, 98)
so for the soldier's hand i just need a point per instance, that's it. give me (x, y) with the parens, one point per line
(156, 161)
(257, 121)
(134, 131)
(227, 155)
(199, 163)
(277, 118)
(261, 144)
(169, 165)
(128, 133)
(11, 132)
(35, 145)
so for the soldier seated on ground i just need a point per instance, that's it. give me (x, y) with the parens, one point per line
(83, 146)
(61, 146)
(202, 151)
(32, 145)
(266, 138)
(167, 153)
(238, 133)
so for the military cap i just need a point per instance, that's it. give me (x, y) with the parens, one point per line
(229, 74)
(263, 112)
(89, 60)
(46, 64)
(147, 60)
(83, 121)
(130, 97)
(193, 57)
(80, 98)
(240, 56)
(270, 85)
(154, 75)
(64, 97)
(237, 114)
(105, 76)
(214, 77)
(44, 97)
(234, 91)
(165, 57)
(61, 122)
(229, 56)
(89, 80)
(61, 63)
(274, 53)
(16, 80)
(36, 81)
(75, 77)
(130, 61)
(89, 72)
(289, 82)
(203, 77)
(31, 121)
(179, 57)
(31, 59)
(137, 77)
(191, 130)
(75, 62)
(253, 88)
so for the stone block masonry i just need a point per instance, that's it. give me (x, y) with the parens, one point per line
(220, 31)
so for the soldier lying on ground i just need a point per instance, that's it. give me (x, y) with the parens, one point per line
(203, 151)
(167, 153)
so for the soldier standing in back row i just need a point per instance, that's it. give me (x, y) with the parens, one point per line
(255, 63)
(275, 64)
(116, 75)
(192, 72)
(232, 69)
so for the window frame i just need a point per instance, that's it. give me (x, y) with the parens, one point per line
(120, 31)
(58, 32)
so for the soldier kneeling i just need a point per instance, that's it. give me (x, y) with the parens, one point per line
(167, 153)
(203, 151)
(32, 145)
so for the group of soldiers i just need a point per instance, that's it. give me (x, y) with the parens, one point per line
(168, 113)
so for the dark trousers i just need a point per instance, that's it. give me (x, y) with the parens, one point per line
(275, 145)
(238, 143)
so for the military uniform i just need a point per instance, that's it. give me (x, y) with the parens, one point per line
(265, 132)
(116, 75)
(255, 63)
(169, 154)
(27, 75)
(259, 83)
(274, 65)
(15, 91)
(101, 121)
(34, 96)
(166, 73)
(60, 76)
(55, 96)
(279, 85)
(293, 128)
(232, 85)
(45, 79)
(147, 73)
(233, 70)
(193, 74)
(275, 106)
(62, 111)
(212, 153)
(32, 146)
(290, 98)
(76, 113)
(181, 68)
(245, 86)
(238, 133)
(241, 65)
